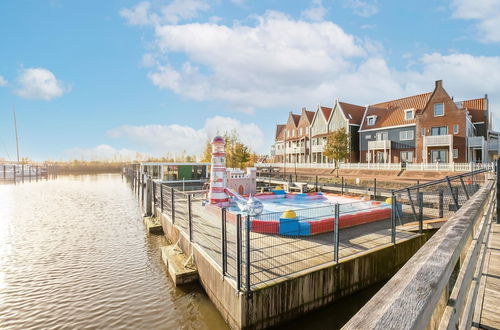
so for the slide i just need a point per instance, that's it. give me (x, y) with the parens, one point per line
(250, 206)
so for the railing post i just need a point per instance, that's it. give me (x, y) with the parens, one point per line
(375, 188)
(247, 257)
(411, 203)
(420, 198)
(342, 186)
(172, 209)
(441, 203)
(498, 191)
(394, 211)
(316, 184)
(154, 197)
(455, 198)
(224, 242)
(190, 222)
(238, 252)
(463, 187)
(336, 233)
(161, 197)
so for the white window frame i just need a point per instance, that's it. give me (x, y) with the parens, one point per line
(300, 133)
(405, 135)
(369, 120)
(293, 132)
(406, 156)
(435, 110)
(412, 114)
(455, 153)
(422, 131)
(456, 129)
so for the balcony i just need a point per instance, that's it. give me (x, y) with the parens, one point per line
(476, 141)
(438, 140)
(295, 150)
(493, 145)
(318, 148)
(278, 152)
(379, 144)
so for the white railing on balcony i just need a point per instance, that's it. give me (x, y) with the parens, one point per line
(476, 141)
(317, 148)
(379, 144)
(438, 140)
(493, 145)
(279, 152)
(295, 150)
(445, 167)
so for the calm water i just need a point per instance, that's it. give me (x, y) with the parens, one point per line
(74, 254)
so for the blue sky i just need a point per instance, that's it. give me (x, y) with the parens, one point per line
(98, 79)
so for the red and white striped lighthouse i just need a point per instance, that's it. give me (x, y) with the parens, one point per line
(218, 179)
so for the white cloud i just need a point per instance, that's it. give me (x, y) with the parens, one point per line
(3, 82)
(177, 139)
(317, 11)
(39, 83)
(145, 13)
(485, 12)
(362, 8)
(103, 152)
(254, 66)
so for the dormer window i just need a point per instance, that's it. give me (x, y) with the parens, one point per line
(409, 114)
(370, 120)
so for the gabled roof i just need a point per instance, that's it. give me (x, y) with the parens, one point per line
(279, 132)
(295, 119)
(353, 113)
(391, 113)
(310, 115)
(326, 112)
(475, 107)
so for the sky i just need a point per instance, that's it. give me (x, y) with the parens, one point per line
(107, 79)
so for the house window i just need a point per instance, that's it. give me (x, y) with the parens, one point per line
(455, 129)
(368, 137)
(441, 130)
(409, 114)
(300, 131)
(438, 109)
(455, 153)
(406, 135)
(407, 156)
(422, 131)
(293, 132)
(371, 120)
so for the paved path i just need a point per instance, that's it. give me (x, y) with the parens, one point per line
(487, 314)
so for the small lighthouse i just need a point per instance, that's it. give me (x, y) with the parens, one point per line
(218, 179)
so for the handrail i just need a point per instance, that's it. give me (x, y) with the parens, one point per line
(416, 297)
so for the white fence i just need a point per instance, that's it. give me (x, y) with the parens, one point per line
(436, 167)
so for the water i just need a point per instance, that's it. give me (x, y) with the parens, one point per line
(74, 255)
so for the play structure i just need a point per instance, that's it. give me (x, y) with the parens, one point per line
(286, 214)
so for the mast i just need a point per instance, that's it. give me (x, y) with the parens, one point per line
(17, 137)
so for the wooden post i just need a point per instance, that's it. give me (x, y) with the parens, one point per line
(161, 197)
(316, 184)
(336, 233)
(374, 188)
(342, 187)
(22, 172)
(14, 173)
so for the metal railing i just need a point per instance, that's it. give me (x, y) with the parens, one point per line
(253, 250)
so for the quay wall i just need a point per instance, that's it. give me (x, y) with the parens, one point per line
(289, 297)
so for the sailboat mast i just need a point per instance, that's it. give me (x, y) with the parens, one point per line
(17, 137)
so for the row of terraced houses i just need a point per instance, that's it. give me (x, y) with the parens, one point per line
(424, 128)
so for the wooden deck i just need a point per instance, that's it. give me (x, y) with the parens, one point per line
(273, 257)
(487, 313)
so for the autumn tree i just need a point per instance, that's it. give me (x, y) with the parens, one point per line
(337, 146)
(206, 157)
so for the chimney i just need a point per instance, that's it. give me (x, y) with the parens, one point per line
(439, 83)
(303, 108)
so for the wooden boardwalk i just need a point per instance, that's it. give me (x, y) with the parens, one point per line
(487, 313)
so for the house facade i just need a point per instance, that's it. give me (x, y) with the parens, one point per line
(424, 128)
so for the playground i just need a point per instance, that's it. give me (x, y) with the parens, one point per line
(281, 212)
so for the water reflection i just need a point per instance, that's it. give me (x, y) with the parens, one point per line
(74, 254)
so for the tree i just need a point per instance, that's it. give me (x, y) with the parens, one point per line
(207, 152)
(241, 154)
(337, 146)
